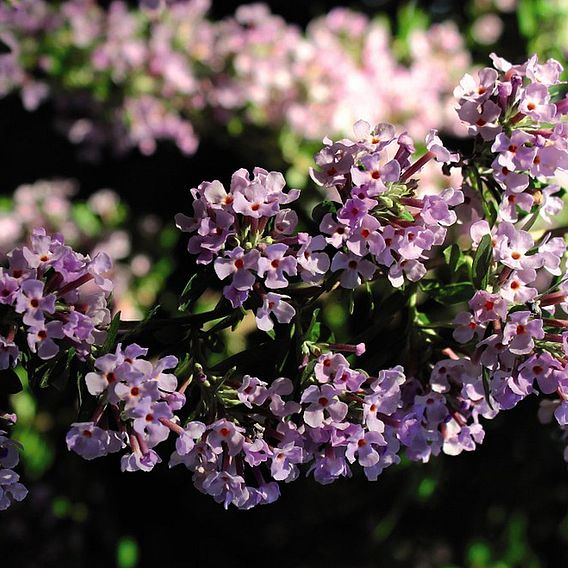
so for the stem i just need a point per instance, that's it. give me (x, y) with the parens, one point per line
(553, 322)
(190, 319)
(413, 168)
(553, 299)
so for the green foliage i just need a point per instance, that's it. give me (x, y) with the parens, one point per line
(448, 293)
(481, 267)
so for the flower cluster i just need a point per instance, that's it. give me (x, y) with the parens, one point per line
(380, 223)
(52, 298)
(169, 66)
(241, 434)
(139, 397)
(511, 107)
(376, 223)
(97, 224)
(343, 417)
(509, 329)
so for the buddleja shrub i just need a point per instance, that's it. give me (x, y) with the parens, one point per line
(461, 313)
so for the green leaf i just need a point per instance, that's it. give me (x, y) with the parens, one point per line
(314, 329)
(487, 386)
(320, 210)
(481, 267)
(406, 215)
(454, 257)
(195, 286)
(56, 372)
(449, 293)
(111, 335)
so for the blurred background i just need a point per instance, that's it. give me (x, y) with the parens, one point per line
(109, 113)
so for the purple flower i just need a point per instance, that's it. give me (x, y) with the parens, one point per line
(488, 307)
(459, 438)
(354, 210)
(375, 138)
(512, 252)
(252, 391)
(32, 303)
(347, 379)
(284, 459)
(274, 264)
(285, 222)
(482, 118)
(412, 269)
(138, 461)
(520, 332)
(225, 487)
(354, 269)
(365, 237)
(330, 464)
(515, 289)
(40, 339)
(9, 452)
(328, 365)
(535, 102)
(466, 328)
(148, 415)
(9, 353)
(313, 264)
(252, 202)
(10, 488)
(279, 388)
(477, 91)
(338, 231)
(192, 432)
(9, 287)
(225, 432)
(435, 146)
(362, 444)
(375, 175)
(542, 368)
(240, 265)
(323, 401)
(274, 304)
(256, 452)
(90, 441)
